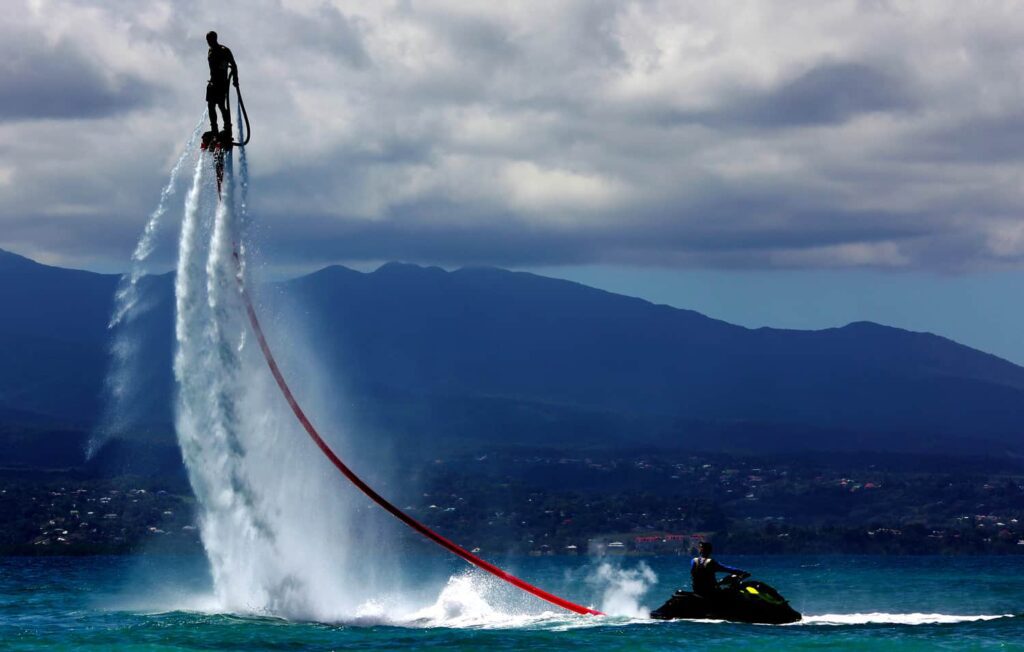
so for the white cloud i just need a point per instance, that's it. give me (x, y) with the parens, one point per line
(868, 133)
(552, 192)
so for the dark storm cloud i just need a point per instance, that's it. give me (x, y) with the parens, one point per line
(828, 93)
(421, 233)
(979, 139)
(39, 82)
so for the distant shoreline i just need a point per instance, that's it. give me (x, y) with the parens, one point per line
(548, 503)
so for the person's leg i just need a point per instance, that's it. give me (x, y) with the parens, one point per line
(211, 108)
(225, 109)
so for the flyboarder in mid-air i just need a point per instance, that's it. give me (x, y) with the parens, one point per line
(223, 70)
(221, 60)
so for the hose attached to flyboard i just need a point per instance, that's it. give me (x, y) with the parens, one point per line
(245, 114)
(368, 490)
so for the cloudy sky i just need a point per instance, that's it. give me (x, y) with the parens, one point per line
(663, 148)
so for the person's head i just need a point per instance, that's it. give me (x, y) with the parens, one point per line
(211, 38)
(704, 548)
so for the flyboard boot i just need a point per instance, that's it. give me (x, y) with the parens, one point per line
(218, 143)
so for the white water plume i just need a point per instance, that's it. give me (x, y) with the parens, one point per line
(127, 297)
(282, 532)
(122, 382)
(623, 588)
(285, 535)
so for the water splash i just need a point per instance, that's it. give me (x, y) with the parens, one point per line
(623, 588)
(473, 600)
(283, 535)
(206, 368)
(462, 602)
(127, 297)
(122, 383)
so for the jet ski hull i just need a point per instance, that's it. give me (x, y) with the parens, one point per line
(745, 602)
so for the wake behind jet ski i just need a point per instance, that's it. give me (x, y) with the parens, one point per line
(734, 598)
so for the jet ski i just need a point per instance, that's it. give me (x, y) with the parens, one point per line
(738, 600)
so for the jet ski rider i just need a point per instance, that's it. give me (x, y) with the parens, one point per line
(703, 569)
(220, 59)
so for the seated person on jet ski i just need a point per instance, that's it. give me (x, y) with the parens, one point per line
(703, 569)
(220, 59)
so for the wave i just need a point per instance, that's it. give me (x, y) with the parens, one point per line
(472, 600)
(883, 618)
(452, 611)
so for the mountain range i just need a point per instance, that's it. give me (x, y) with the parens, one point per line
(478, 357)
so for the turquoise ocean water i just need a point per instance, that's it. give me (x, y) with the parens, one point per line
(166, 603)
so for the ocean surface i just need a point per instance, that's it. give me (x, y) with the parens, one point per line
(157, 602)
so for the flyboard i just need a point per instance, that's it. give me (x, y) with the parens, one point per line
(219, 145)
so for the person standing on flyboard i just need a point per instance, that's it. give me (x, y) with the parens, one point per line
(221, 60)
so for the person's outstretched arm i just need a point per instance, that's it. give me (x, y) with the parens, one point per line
(722, 568)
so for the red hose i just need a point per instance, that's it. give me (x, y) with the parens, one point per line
(376, 497)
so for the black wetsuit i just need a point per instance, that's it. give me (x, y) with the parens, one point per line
(702, 575)
(221, 60)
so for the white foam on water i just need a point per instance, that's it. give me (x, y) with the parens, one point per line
(460, 604)
(474, 600)
(882, 618)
